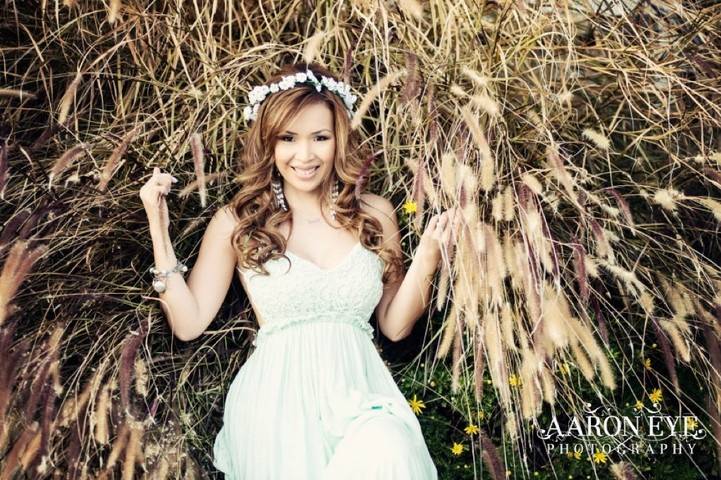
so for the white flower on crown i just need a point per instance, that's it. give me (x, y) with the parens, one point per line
(258, 94)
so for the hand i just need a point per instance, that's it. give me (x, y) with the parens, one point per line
(153, 195)
(440, 235)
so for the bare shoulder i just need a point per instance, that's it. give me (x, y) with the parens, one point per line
(224, 221)
(379, 207)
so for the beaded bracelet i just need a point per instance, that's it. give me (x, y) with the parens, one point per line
(161, 275)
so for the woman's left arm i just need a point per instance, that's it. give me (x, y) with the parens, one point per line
(404, 300)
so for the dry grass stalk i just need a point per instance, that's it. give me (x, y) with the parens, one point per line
(12, 462)
(373, 93)
(65, 161)
(17, 265)
(312, 47)
(114, 11)
(68, 98)
(449, 331)
(412, 8)
(199, 166)
(16, 92)
(113, 163)
(598, 139)
(488, 167)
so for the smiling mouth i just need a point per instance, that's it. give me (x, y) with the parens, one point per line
(305, 173)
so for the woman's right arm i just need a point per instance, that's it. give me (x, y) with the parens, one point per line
(191, 305)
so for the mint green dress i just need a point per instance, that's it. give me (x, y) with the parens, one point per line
(315, 401)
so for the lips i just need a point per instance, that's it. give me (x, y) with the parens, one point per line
(306, 172)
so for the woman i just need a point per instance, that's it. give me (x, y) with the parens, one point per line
(314, 400)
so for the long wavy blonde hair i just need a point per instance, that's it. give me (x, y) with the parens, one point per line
(256, 237)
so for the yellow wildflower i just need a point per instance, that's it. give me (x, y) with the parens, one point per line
(647, 364)
(416, 404)
(471, 429)
(691, 423)
(639, 405)
(577, 455)
(410, 207)
(565, 368)
(656, 395)
(481, 414)
(457, 448)
(600, 457)
(514, 380)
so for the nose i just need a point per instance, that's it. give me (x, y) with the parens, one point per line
(304, 151)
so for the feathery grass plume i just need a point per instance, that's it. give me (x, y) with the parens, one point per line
(497, 207)
(488, 167)
(443, 280)
(530, 392)
(669, 359)
(711, 204)
(114, 11)
(65, 161)
(133, 449)
(490, 455)
(75, 404)
(623, 471)
(312, 46)
(110, 165)
(121, 439)
(479, 365)
(559, 171)
(207, 180)
(624, 207)
(449, 331)
(199, 166)
(583, 333)
(68, 98)
(99, 417)
(555, 317)
(141, 377)
(31, 451)
(477, 78)
(667, 198)
(603, 246)
(364, 174)
(17, 265)
(629, 279)
(579, 268)
(532, 182)
(679, 343)
(12, 458)
(412, 8)
(598, 139)
(373, 93)
(127, 361)
(509, 258)
(583, 362)
(496, 270)
(507, 327)
(412, 85)
(495, 357)
(418, 193)
(509, 206)
(675, 296)
(487, 104)
(16, 92)
(448, 175)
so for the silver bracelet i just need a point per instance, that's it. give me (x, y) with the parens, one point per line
(161, 275)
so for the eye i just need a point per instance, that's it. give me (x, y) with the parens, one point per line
(284, 138)
(323, 138)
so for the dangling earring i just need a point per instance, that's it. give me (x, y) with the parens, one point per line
(278, 191)
(334, 198)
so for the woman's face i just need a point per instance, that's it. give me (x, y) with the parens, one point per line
(305, 150)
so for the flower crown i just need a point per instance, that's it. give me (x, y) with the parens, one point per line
(260, 92)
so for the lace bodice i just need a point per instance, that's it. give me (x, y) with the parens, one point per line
(299, 292)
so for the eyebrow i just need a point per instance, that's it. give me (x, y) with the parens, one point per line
(317, 131)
